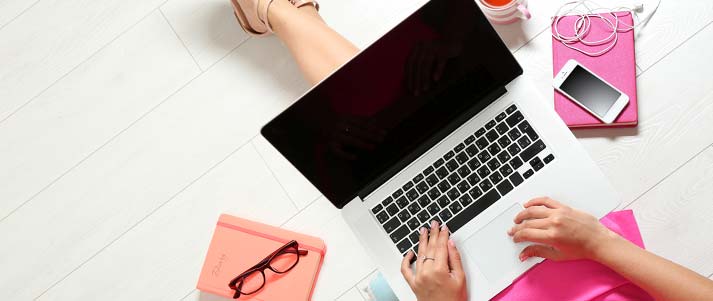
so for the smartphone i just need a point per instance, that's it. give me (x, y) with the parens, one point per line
(590, 91)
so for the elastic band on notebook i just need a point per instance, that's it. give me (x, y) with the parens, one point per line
(268, 236)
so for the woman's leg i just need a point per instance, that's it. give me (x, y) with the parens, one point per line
(318, 49)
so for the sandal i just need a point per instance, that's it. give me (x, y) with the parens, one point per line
(251, 18)
(301, 3)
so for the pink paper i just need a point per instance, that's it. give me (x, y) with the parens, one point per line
(582, 279)
(617, 67)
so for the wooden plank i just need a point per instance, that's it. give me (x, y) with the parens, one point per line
(145, 166)
(53, 37)
(208, 28)
(85, 109)
(675, 216)
(674, 123)
(300, 190)
(161, 257)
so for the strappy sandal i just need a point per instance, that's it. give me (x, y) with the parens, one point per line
(251, 19)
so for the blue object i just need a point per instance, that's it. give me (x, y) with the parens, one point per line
(380, 289)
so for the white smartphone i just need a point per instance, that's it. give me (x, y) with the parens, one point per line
(590, 91)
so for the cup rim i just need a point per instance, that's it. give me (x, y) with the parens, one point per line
(510, 5)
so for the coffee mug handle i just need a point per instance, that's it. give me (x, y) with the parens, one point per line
(524, 12)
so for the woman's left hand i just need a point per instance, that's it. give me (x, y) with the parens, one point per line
(439, 271)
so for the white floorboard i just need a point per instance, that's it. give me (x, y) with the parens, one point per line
(675, 216)
(125, 130)
(53, 37)
(85, 109)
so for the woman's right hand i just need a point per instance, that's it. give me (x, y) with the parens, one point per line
(561, 233)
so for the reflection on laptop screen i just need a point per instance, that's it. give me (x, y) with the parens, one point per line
(442, 62)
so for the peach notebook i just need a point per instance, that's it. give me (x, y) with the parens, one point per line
(618, 67)
(238, 244)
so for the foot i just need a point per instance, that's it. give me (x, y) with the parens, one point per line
(252, 16)
(300, 3)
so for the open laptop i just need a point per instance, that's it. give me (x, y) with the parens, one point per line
(435, 121)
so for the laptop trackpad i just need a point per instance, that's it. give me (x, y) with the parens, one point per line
(493, 250)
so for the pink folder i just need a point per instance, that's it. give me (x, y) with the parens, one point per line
(238, 244)
(581, 279)
(618, 67)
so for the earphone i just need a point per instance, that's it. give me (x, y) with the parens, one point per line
(584, 21)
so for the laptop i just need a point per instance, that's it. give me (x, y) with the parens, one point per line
(434, 121)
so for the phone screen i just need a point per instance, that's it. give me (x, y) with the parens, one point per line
(590, 91)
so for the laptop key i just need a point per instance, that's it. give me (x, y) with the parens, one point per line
(471, 150)
(445, 214)
(392, 224)
(483, 156)
(475, 192)
(377, 208)
(473, 179)
(442, 172)
(494, 164)
(434, 193)
(404, 215)
(516, 162)
(472, 211)
(392, 209)
(432, 180)
(514, 133)
(444, 186)
(504, 187)
(382, 217)
(463, 186)
(495, 177)
(422, 187)
(404, 246)
(514, 119)
(470, 139)
(433, 208)
(549, 158)
(417, 178)
(528, 173)
(414, 208)
(465, 199)
(412, 194)
(504, 141)
(387, 201)
(503, 156)
(473, 163)
(514, 149)
(455, 207)
(464, 171)
(492, 135)
(397, 193)
(423, 216)
(532, 150)
(485, 185)
(511, 109)
(480, 132)
(449, 155)
(500, 117)
(453, 194)
(537, 164)
(482, 143)
(516, 179)
(494, 149)
(414, 237)
(502, 128)
(527, 129)
(490, 124)
(443, 201)
(524, 141)
(452, 165)
(459, 147)
(506, 170)
(428, 170)
(402, 202)
(483, 171)
(438, 163)
(424, 200)
(454, 178)
(461, 158)
(407, 186)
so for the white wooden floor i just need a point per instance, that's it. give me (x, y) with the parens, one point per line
(128, 126)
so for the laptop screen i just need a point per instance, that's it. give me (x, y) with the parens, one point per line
(358, 127)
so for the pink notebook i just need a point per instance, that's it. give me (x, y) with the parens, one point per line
(618, 67)
(239, 244)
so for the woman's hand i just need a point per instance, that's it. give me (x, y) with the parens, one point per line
(561, 233)
(439, 271)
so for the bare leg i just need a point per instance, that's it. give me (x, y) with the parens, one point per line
(318, 49)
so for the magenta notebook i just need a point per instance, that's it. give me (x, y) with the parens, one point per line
(618, 67)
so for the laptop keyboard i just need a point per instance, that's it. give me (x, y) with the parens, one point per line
(467, 180)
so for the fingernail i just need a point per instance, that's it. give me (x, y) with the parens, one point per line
(434, 224)
(444, 228)
(451, 243)
(523, 257)
(510, 231)
(423, 229)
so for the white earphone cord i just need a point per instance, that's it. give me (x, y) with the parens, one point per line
(583, 24)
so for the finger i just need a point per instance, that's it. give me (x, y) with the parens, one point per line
(422, 247)
(442, 248)
(406, 268)
(532, 235)
(544, 201)
(532, 224)
(543, 251)
(433, 239)
(532, 213)
(454, 261)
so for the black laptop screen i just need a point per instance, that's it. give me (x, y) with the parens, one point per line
(392, 100)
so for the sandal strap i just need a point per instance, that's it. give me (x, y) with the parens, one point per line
(265, 20)
(301, 3)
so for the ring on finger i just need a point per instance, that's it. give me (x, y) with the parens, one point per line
(428, 258)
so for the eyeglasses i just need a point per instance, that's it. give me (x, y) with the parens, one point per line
(281, 261)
